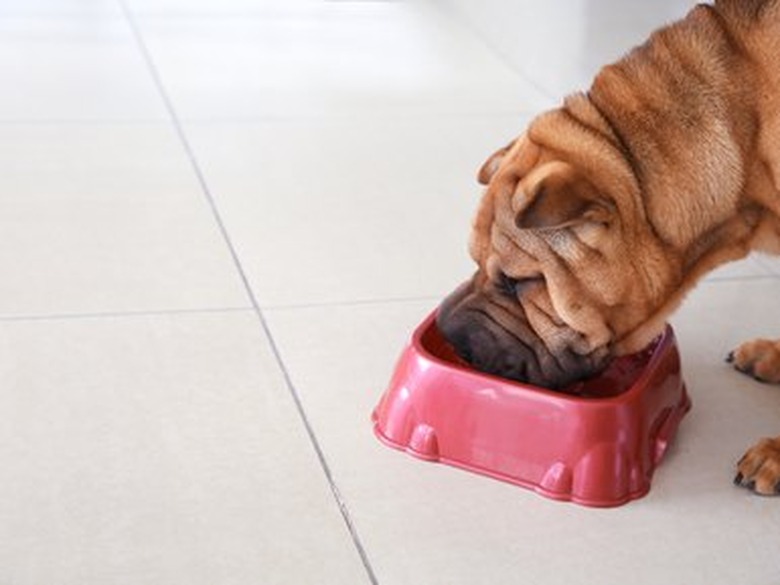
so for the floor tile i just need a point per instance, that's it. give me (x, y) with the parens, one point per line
(718, 315)
(147, 433)
(106, 218)
(210, 8)
(159, 450)
(61, 8)
(751, 267)
(564, 44)
(81, 69)
(427, 523)
(347, 210)
(340, 59)
(770, 263)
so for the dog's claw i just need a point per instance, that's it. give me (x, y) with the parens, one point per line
(759, 359)
(739, 481)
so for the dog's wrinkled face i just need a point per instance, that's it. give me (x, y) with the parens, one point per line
(567, 268)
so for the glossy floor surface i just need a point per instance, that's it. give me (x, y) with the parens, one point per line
(220, 220)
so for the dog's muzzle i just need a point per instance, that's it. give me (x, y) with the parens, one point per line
(495, 337)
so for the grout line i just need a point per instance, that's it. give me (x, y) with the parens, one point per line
(388, 114)
(746, 278)
(459, 19)
(378, 113)
(82, 121)
(10, 318)
(353, 303)
(146, 54)
(119, 314)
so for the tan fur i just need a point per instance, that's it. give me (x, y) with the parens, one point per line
(759, 358)
(615, 204)
(760, 467)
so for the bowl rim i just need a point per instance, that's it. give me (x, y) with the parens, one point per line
(663, 343)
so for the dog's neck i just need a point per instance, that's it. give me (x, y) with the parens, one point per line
(704, 256)
(729, 205)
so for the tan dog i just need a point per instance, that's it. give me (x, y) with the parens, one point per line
(599, 219)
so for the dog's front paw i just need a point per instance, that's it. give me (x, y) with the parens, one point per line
(759, 358)
(759, 469)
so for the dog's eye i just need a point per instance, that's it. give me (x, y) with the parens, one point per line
(513, 287)
(507, 285)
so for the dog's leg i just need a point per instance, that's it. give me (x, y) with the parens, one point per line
(759, 358)
(759, 469)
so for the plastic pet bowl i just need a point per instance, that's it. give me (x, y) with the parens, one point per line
(596, 443)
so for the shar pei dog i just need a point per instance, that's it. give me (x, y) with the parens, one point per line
(601, 216)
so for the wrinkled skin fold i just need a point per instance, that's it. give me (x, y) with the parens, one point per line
(600, 217)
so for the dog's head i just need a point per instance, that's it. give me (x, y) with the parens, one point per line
(575, 264)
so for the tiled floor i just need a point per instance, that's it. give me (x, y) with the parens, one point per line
(219, 221)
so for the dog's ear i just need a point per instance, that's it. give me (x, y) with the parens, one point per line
(558, 197)
(490, 166)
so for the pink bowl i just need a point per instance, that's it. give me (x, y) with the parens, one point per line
(596, 443)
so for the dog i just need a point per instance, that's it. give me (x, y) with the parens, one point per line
(599, 218)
